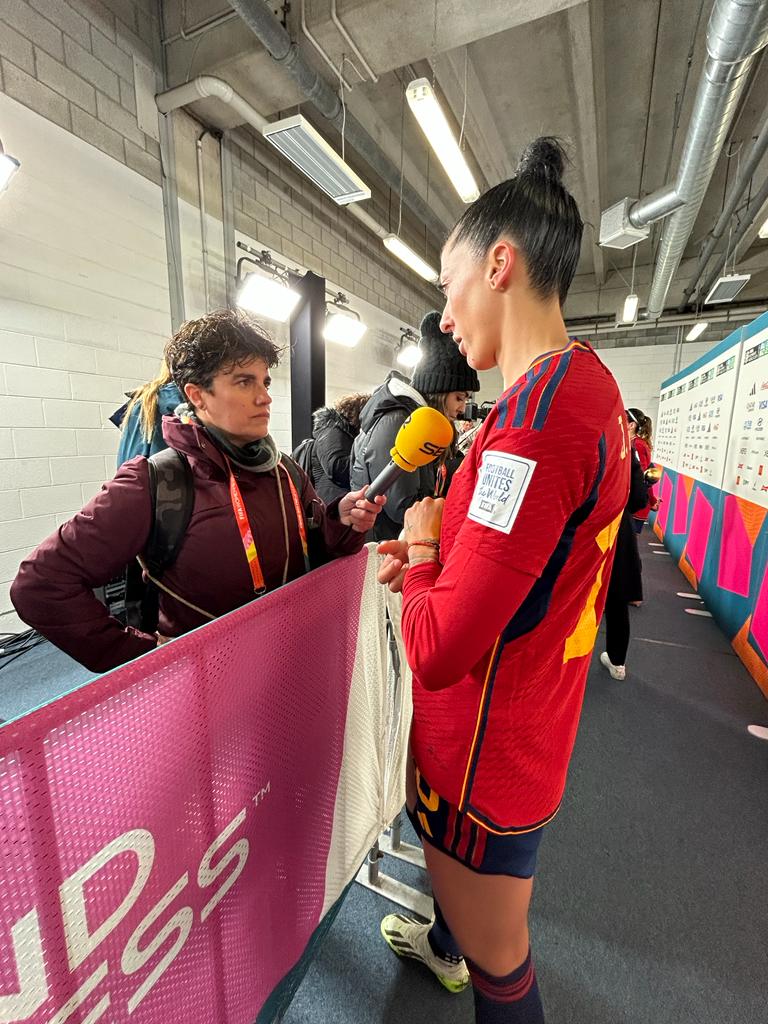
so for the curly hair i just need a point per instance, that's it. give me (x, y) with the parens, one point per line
(350, 407)
(215, 343)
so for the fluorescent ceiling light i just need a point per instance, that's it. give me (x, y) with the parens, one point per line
(763, 232)
(409, 355)
(344, 328)
(8, 167)
(631, 306)
(726, 288)
(696, 331)
(267, 297)
(434, 124)
(405, 253)
(298, 141)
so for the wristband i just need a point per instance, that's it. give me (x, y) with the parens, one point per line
(426, 542)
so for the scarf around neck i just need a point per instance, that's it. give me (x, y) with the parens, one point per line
(261, 456)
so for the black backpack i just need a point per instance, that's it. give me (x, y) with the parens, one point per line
(302, 456)
(172, 490)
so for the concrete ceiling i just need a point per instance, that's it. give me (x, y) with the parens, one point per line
(611, 77)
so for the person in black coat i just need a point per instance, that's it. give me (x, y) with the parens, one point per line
(626, 584)
(443, 380)
(334, 430)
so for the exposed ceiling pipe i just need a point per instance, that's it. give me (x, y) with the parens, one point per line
(207, 85)
(756, 204)
(268, 30)
(202, 87)
(742, 180)
(737, 31)
(734, 313)
(338, 72)
(337, 22)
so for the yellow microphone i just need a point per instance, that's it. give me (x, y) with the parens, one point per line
(422, 438)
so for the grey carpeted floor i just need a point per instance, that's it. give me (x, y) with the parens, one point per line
(651, 904)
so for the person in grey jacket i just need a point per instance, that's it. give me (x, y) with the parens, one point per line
(334, 430)
(442, 379)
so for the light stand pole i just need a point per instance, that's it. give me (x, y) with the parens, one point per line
(307, 354)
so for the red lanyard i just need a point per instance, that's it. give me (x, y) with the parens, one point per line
(246, 534)
(299, 519)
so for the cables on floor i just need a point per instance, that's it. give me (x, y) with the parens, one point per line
(13, 645)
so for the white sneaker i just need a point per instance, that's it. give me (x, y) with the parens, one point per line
(617, 671)
(407, 937)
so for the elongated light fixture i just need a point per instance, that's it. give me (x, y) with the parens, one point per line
(433, 122)
(343, 325)
(305, 147)
(405, 253)
(696, 331)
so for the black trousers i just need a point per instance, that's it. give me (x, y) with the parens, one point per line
(616, 629)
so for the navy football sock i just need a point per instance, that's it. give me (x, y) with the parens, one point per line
(441, 940)
(511, 999)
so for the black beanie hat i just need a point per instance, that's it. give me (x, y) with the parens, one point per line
(442, 368)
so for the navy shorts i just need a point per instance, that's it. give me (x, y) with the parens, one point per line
(453, 832)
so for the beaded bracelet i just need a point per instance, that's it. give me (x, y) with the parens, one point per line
(426, 542)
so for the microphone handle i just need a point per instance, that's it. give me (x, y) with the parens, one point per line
(384, 481)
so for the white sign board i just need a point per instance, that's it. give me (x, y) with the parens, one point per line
(746, 471)
(706, 418)
(695, 410)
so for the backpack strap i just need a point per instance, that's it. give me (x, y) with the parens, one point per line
(172, 491)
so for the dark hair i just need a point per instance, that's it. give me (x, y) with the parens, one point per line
(436, 400)
(643, 424)
(350, 407)
(535, 211)
(214, 343)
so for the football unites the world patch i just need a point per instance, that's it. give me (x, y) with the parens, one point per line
(502, 482)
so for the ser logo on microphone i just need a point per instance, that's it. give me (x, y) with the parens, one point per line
(430, 448)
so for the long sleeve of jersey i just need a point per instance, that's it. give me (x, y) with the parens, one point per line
(452, 615)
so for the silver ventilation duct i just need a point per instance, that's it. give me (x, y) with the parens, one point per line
(743, 179)
(737, 31)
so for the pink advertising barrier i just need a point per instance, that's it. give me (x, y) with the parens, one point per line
(164, 830)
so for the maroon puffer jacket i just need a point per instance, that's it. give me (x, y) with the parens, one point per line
(53, 589)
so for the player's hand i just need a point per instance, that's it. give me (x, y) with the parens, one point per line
(424, 519)
(392, 570)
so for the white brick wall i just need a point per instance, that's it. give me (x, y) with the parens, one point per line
(640, 370)
(84, 314)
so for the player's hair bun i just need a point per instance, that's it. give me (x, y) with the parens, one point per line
(545, 157)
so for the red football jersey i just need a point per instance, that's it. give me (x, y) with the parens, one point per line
(643, 450)
(500, 635)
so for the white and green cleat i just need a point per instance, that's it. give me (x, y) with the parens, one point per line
(407, 937)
